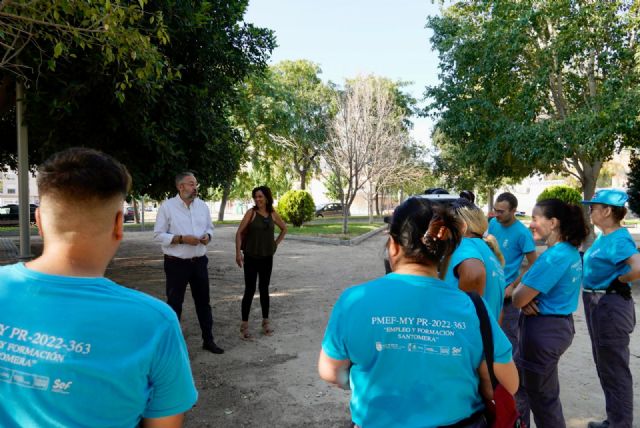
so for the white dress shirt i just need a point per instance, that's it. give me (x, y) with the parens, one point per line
(176, 218)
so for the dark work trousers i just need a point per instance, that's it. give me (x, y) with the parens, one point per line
(610, 320)
(194, 272)
(511, 328)
(256, 269)
(543, 340)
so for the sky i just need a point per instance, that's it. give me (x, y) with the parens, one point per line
(351, 37)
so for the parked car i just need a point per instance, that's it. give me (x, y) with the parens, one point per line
(129, 214)
(9, 214)
(332, 209)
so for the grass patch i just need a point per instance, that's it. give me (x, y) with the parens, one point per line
(332, 230)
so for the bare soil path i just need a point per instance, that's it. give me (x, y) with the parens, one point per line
(272, 381)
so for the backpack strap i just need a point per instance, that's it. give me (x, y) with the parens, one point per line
(485, 331)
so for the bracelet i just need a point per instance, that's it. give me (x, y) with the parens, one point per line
(179, 239)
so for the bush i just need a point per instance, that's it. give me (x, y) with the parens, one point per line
(296, 207)
(567, 194)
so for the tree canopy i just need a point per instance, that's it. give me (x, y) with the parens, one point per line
(536, 86)
(285, 116)
(175, 118)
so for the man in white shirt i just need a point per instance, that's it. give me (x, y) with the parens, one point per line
(184, 228)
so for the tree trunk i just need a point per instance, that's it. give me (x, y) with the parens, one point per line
(370, 203)
(303, 178)
(490, 197)
(136, 213)
(345, 218)
(223, 202)
(589, 178)
(378, 202)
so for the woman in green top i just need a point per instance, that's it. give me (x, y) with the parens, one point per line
(255, 238)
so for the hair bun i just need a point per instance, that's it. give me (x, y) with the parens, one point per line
(437, 231)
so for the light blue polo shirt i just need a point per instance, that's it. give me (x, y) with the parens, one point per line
(87, 352)
(605, 260)
(476, 248)
(415, 345)
(557, 275)
(515, 241)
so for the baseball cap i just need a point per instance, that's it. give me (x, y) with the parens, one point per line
(613, 197)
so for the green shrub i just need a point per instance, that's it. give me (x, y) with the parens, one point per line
(296, 207)
(567, 194)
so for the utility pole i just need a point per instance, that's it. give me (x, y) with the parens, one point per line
(24, 209)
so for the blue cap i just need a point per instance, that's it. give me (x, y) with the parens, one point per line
(613, 197)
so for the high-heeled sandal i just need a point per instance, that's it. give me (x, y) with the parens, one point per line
(266, 328)
(244, 331)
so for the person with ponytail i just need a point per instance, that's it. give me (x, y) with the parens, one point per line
(547, 296)
(610, 265)
(407, 344)
(476, 265)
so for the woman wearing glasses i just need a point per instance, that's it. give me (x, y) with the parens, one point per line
(255, 238)
(408, 344)
(548, 295)
(610, 265)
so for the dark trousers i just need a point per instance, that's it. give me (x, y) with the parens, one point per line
(511, 328)
(611, 320)
(543, 340)
(194, 272)
(256, 269)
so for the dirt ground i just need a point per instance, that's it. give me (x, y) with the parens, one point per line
(272, 381)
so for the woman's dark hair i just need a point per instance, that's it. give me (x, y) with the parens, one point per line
(468, 195)
(573, 227)
(618, 213)
(427, 232)
(267, 194)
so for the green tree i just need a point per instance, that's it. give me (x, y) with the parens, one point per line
(285, 114)
(161, 127)
(537, 85)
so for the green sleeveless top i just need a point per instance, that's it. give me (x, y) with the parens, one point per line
(260, 241)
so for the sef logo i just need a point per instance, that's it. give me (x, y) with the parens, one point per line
(59, 386)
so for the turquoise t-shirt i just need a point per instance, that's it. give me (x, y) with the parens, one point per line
(415, 344)
(87, 352)
(515, 241)
(476, 248)
(605, 260)
(557, 275)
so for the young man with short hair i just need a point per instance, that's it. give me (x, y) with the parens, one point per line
(76, 349)
(516, 242)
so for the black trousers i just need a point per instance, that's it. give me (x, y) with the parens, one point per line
(194, 272)
(256, 269)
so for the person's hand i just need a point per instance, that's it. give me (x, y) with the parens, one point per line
(509, 290)
(204, 240)
(190, 240)
(531, 308)
(239, 259)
